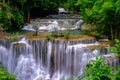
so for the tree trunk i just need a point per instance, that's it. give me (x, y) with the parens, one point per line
(116, 32)
(111, 33)
(27, 17)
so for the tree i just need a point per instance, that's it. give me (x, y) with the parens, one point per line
(24, 7)
(71, 5)
(13, 13)
(10, 15)
(104, 14)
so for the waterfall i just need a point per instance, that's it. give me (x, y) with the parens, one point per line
(49, 56)
(41, 59)
(77, 57)
(78, 24)
(3, 56)
(53, 24)
(28, 27)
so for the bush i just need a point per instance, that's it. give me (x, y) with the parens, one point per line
(116, 48)
(55, 34)
(48, 36)
(97, 70)
(118, 75)
(5, 75)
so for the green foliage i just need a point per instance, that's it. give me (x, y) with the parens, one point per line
(70, 79)
(54, 34)
(70, 4)
(21, 1)
(104, 14)
(48, 36)
(118, 75)
(4, 75)
(27, 5)
(5, 15)
(116, 72)
(13, 13)
(97, 70)
(48, 4)
(18, 15)
(116, 48)
(10, 16)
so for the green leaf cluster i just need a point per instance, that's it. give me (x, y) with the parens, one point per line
(96, 70)
(5, 15)
(10, 16)
(116, 47)
(5, 75)
(105, 14)
(48, 4)
(70, 4)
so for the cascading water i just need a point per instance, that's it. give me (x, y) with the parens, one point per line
(76, 58)
(3, 55)
(19, 59)
(41, 59)
(53, 25)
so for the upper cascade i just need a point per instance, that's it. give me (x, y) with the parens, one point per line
(53, 24)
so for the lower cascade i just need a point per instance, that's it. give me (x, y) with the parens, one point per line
(41, 59)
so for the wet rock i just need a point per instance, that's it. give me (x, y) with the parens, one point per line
(111, 58)
(19, 44)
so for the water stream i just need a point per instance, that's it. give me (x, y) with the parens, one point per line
(49, 59)
(56, 59)
(53, 24)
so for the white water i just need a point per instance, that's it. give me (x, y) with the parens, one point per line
(62, 10)
(54, 25)
(3, 55)
(49, 60)
(28, 27)
(78, 24)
